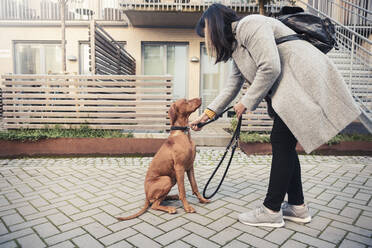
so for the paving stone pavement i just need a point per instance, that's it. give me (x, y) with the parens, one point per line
(73, 202)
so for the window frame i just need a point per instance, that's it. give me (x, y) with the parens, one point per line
(201, 45)
(41, 42)
(166, 43)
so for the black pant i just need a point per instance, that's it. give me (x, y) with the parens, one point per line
(285, 175)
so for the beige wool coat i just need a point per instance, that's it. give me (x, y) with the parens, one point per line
(306, 90)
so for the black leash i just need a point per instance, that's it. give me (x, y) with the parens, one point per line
(233, 144)
(214, 118)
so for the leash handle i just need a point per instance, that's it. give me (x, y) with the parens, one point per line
(202, 124)
(235, 138)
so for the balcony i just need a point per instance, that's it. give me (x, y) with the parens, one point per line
(76, 10)
(182, 13)
(187, 5)
(163, 13)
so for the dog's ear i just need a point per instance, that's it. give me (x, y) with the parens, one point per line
(172, 114)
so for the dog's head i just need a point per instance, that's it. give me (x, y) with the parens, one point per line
(181, 109)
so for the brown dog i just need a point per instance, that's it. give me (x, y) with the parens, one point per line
(174, 158)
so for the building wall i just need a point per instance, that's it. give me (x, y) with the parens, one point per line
(40, 33)
(74, 34)
(135, 36)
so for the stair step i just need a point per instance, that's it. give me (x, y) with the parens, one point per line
(347, 67)
(357, 74)
(345, 61)
(339, 54)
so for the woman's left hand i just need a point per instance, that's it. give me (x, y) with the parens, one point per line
(239, 109)
(201, 119)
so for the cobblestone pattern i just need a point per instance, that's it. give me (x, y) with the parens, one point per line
(73, 202)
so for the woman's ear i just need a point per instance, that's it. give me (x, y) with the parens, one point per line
(172, 114)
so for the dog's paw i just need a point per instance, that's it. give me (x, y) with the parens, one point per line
(172, 210)
(203, 200)
(189, 209)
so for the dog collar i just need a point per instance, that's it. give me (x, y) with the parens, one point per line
(180, 128)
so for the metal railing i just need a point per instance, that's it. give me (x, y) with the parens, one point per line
(108, 57)
(355, 51)
(111, 10)
(346, 12)
(108, 10)
(200, 5)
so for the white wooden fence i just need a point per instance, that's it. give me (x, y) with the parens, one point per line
(258, 120)
(121, 102)
(101, 101)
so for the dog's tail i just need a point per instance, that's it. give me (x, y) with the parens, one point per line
(147, 204)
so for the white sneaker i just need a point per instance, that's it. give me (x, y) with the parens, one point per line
(295, 213)
(261, 216)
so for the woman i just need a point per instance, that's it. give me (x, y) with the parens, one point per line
(308, 98)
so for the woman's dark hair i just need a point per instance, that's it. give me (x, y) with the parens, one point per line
(219, 19)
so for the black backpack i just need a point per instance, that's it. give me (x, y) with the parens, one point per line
(318, 31)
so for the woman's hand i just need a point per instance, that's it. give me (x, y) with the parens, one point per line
(239, 109)
(201, 119)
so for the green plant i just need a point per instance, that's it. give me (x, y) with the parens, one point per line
(249, 137)
(234, 123)
(84, 131)
(254, 137)
(349, 137)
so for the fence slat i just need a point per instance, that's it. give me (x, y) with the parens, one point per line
(83, 114)
(111, 127)
(90, 89)
(92, 77)
(79, 96)
(84, 120)
(89, 83)
(256, 128)
(90, 102)
(85, 108)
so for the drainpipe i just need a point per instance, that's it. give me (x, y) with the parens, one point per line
(262, 7)
(63, 39)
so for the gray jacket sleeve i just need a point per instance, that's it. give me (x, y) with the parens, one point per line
(229, 92)
(263, 50)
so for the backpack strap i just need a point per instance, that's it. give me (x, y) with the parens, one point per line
(236, 26)
(289, 38)
(279, 40)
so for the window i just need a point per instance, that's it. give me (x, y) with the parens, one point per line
(212, 77)
(84, 56)
(37, 58)
(167, 59)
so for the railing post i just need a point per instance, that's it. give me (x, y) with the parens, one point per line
(63, 27)
(118, 60)
(92, 38)
(96, 6)
(352, 59)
